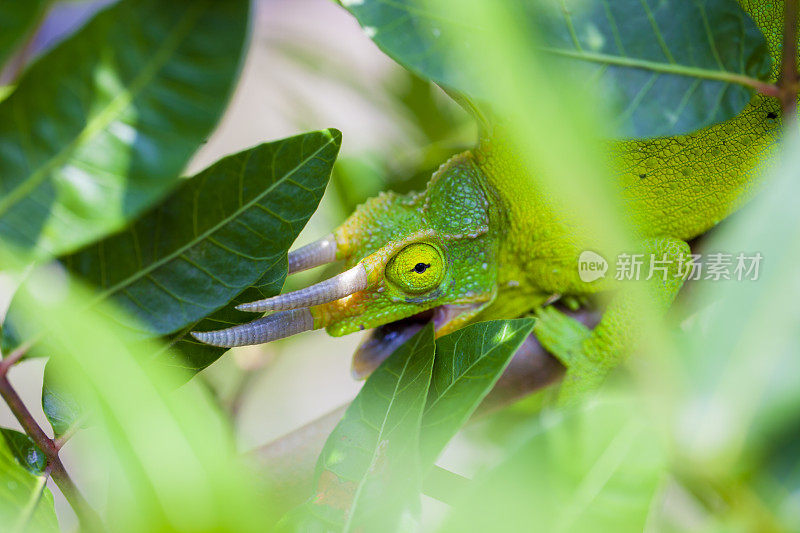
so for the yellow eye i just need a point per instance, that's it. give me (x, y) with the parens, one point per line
(416, 268)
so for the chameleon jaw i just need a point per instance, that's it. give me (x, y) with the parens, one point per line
(382, 341)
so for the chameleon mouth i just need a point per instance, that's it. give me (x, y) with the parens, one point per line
(382, 341)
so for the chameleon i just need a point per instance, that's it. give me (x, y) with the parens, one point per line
(482, 242)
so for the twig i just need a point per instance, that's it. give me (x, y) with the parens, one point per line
(13, 358)
(788, 83)
(89, 519)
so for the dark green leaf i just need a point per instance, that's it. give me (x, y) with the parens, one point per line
(594, 469)
(100, 128)
(25, 451)
(17, 21)
(468, 364)
(221, 232)
(369, 467)
(62, 410)
(25, 503)
(663, 68)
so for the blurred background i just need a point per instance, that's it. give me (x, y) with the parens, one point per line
(310, 66)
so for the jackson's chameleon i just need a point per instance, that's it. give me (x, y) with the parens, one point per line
(482, 243)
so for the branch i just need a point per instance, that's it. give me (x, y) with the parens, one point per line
(87, 516)
(788, 83)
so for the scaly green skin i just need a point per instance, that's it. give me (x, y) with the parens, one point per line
(506, 253)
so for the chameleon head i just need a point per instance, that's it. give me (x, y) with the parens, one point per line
(409, 259)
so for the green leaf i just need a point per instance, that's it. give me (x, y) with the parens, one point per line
(99, 129)
(25, 451)
(25, 503)
(468, 363)
(17, 21)
(170, 452)
(593, 469)
(663, 68)
(221, 232)
(62, 409)
(369, 467)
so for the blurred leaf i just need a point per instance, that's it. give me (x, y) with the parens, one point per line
(216, 235)
(593, 469)
(62, 410)
(736, 372)
(662, 68)
(17, 21)
(468, 363)
(100, 128)
(170, 452)
(25, 451)
(25, 503)
(369, 467)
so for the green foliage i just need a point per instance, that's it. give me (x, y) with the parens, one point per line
(63, 411)
(372, 466)
(100, 128)
(92, 144)
(17, 20)
(468, 364)
(25, 503)
(224, 230)
(661, 68)
(170, 453)
(25, 451)
(593, 469)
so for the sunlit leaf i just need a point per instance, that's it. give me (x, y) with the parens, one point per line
(369, 467)
(468, 363)
(594, 469)
(170, 453)
(661, 68)
(101, 127)
(25, 503)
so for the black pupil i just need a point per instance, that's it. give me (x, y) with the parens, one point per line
(419, 268)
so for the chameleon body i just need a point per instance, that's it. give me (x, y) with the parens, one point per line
(484, 241)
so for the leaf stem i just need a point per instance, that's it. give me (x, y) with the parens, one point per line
(788, 83)
(670, 68)
(89, 519)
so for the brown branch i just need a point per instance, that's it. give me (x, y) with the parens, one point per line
(788, 83)
(89, 519)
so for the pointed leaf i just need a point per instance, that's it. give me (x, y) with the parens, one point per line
(63, 411)
(468, 364)
(215, 236)
(100, 128)
(369, 467)
(664, 68)
(25, 451)
(25, 503)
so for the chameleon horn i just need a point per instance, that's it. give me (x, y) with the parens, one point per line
(346, 283)
(259, 331)
(317, 253)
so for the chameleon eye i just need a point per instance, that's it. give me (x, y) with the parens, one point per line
(416, 268)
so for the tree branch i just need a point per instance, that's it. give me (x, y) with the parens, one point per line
(89, 519)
